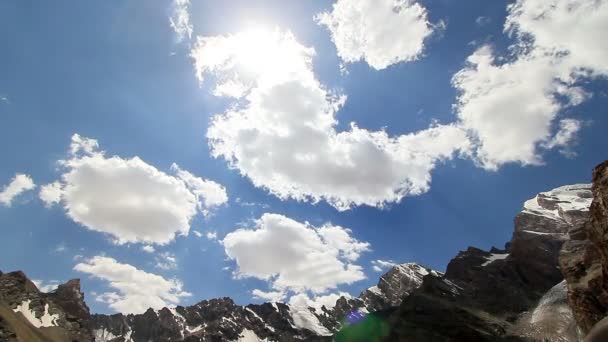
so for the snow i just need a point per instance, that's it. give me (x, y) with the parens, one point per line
(540, 233)
(304, 319)
(47, 320)
(250, 336)
(195, 329)
(275, 306)
(103, 335)
(375, 290)
(566, 198)
(494, 257)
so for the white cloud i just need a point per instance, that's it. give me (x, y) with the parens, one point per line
(381, 32)
(283, 135)
(571, 29)
(60, 248)
(295, 256)
(148, 249)
(134, 291)
(302, 300)
(18, 185)
(197, 233)
(180, 19)
(380, 265)
(209, 193)
(44, 286)
(211, 235)
(566, 133)
(270, 296)
(166, 261)
(50, 194)
(128, 198)
(511, 109)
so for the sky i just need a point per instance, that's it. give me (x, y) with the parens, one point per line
(166, 152)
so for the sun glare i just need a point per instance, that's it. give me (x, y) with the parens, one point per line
(271, 54)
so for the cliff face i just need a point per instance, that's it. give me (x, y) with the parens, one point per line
(508, 294)
(30, 315)
(584, 258)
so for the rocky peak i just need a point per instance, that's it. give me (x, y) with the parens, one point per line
(395, 284)
(63, 309)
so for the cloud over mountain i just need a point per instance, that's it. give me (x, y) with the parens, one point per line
(295, 256)
(133, 290)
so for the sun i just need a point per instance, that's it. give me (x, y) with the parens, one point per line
(270, 54)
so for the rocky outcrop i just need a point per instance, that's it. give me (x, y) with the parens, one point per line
(27, 314)
(501, 294)
(584, 258)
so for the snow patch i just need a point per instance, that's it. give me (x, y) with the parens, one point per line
(250, 336)
(575, 197)
(103, 335)
(494, 257)
(47, 320)
(304, 319)
(375, 290)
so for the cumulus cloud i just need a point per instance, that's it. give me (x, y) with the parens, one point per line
(18, 185)
(148, 249)
(283, 135)
(295, 256)
(50, 194)
(45, 286)
(128, 198)
(512, 109)
(381, 32)
(180, 19)
(381, 265)
(133, 290)
(270, 296)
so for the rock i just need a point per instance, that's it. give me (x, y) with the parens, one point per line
(63, 311)
(584, 258)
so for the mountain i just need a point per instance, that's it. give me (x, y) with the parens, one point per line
(548, 283)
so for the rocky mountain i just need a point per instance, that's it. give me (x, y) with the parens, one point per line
(548, 283)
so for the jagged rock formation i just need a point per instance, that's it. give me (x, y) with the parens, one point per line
(489, 296)
(26, 314)
(584, 259)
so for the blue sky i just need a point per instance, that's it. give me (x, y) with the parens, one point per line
(118, 72)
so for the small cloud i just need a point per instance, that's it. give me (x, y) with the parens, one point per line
(271, 296)
(18, 185)
(148, 249)
(197, 233)
(212, 235)
(381, 265)
(180, 19)
(4, 98)
(60, 248)
(482, 21)
(166, 261)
